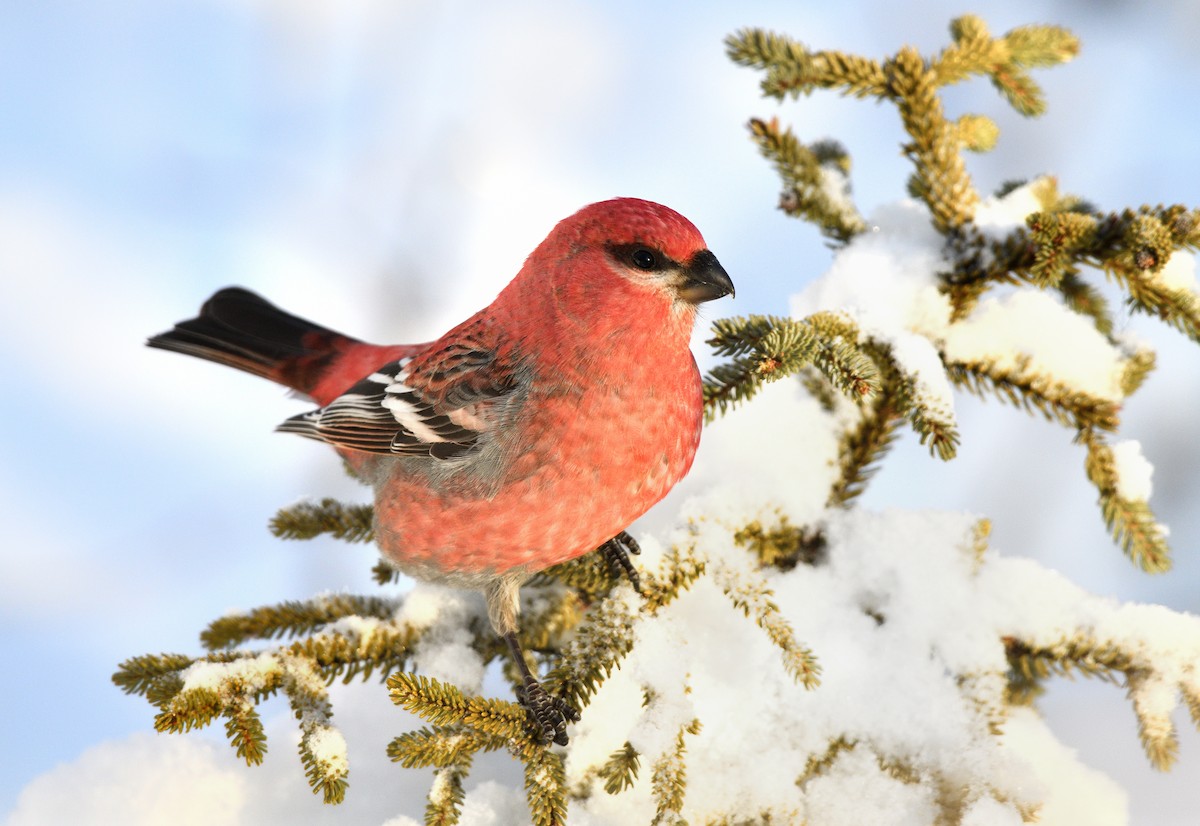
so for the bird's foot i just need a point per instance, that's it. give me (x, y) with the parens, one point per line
(549, 713)
(617, 551)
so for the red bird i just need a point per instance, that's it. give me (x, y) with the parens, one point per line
(532, 433)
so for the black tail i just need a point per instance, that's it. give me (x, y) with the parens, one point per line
(241, 329)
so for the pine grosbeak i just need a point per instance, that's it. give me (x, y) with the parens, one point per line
(535, 431)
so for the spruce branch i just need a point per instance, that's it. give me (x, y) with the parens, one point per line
(1039, 46)
(981, 262)
(193, 692)
(818, 764)
(1137, 369)
(1136, 530)
(752, 365)
(444, 704)
(443, 746)
(913, 85)
(930, 420)
(1004, 60)
(490, 722)
(450, 749)
(552, 616)
(353, 636)
(820, 388)
(194, 708)
(154, 676)
(606, 635)
(1153, 693)
(546, 787)
(352, 654)
(601, 642)
(973, 52)
(761, 49)
(1153, 701)
(231, 684)
(1058, 238)
(668, 780)
(590, 576)
(1032, 392)
(900, 396)
(219, 684)
(1133, 525)
(1086, 300)
(1066, 657)
(1137, 268)
(679, 569)
(1191, 695)
(1064, 242)
(293, 618)
(1019, 89)
(446, 796)
(941, 178)
(863, 444)
(753, 597)
(976, 133)
(620, 771)
(782, 546)
(322, 747)
(307, 520)
(763, 349)
(816, 185)
(843, 361)
(326, 774)
(792, 70)
(936, 428)
(244, 729)
(1130, 247)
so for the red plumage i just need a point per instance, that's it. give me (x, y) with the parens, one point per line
(526, 436)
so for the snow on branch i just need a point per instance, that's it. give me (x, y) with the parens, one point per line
(917, 285)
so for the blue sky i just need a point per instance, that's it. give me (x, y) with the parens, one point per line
(385, 167)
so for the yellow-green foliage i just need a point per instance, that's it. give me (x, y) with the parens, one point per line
(1061, 245)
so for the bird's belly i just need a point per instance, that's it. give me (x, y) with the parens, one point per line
(585, 470)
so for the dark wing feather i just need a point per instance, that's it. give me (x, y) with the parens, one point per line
(428, 405)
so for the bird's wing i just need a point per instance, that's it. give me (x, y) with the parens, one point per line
(438, 403)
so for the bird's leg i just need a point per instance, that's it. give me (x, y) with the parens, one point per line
(617, 551)
(549, 712)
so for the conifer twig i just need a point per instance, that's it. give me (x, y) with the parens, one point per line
(763, 349)
(815, 179)
(669, 778)
(753, 598)
(444, 704)
(306, 520)
(621, 769)
(293, 618)
(1132, 523)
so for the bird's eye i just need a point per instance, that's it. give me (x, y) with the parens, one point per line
(643, 258)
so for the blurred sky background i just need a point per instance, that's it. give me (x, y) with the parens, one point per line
(384, 167)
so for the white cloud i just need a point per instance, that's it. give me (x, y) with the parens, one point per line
(143, 780)
(149, 779)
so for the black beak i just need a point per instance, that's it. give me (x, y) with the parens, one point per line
(705, 279)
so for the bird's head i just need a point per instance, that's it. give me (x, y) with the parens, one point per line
(643, 243)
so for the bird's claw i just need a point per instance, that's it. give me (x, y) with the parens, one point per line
(617, 551)
(549, 713)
